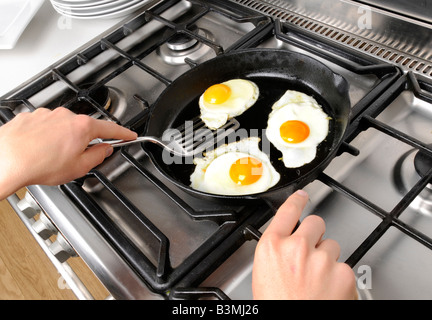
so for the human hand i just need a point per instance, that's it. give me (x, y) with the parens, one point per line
(299, 265)
(50, 147)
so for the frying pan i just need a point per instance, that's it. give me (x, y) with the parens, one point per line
(274, 71)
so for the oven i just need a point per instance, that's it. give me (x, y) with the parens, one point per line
(144, 238)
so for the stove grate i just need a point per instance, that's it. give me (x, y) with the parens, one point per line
(367, 119)
(234, 227)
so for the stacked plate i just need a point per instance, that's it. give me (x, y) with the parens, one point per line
(15, 15)
(91, 9)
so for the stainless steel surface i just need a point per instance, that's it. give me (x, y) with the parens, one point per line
(109, 267)
(391, 37)
(184, 236)
(400, 266)
(58, 88)
(420, 10)
(119, 279)
(86, 241)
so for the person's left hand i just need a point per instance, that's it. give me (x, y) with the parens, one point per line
(299, 265)
(50, 147)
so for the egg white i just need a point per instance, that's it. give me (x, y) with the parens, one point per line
(211, 173)
(244, 94)
(294, 105)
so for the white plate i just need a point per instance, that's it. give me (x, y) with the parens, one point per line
(66, 4)
(96, 8)
(15, 15)
(121, 10)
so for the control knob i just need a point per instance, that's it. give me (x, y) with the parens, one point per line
(61, 249)
(28, 206)
(44, 227)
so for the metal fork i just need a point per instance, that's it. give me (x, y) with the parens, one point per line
(190, 139)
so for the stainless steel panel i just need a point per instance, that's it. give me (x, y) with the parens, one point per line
(393, 38)
(415, 9)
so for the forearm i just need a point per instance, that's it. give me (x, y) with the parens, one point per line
(11, 174)
(6, 191)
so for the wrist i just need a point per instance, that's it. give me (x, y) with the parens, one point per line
(7, 187)
(11, 178)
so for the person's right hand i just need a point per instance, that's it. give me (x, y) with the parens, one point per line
(299, 265)
(50, 147)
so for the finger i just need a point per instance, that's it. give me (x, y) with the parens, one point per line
(36, 113)
(94, 156)
(109, 130)
(331, 247)
(42, 110)
(288, 214)
(312, 228)
(345, 280)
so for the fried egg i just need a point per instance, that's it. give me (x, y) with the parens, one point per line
(227, 100)
(237, 168)
(296, 126)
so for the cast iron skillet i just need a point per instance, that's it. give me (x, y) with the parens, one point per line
(274, 71)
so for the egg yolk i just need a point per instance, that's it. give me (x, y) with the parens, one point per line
(217, 94)
(294, 131)
(246, 171)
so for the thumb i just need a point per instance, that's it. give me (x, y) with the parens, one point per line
(95, 155)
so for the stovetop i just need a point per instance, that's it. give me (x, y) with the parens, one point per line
(146, 239)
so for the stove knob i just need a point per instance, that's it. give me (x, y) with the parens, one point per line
(44, 227)
(61, 249)
(28, 206)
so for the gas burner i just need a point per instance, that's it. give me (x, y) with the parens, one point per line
(410, 167)
(110, 98)
(100, 95)
(118, 104)
(181, 46)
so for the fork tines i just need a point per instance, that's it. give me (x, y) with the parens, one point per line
(194, 136)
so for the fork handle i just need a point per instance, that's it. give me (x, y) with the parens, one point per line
(121, 143)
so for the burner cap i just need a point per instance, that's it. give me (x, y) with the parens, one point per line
(423, 162)
(182, 46)
(181, 42)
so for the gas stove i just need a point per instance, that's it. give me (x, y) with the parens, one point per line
(146, 239)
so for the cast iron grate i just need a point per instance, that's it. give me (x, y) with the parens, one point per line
(235, 228)
(365, 120)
